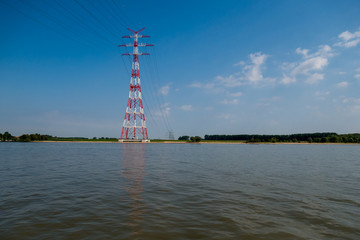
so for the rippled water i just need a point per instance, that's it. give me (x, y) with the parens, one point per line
(179, 191)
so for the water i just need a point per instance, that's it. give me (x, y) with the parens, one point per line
(179, 191)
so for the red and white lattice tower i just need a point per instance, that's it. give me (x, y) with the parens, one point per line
(134, 126)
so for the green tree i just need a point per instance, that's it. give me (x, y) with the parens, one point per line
(195, 139)
(1, 137)
(35, 137)
(45, 137)
(7, 136)
(186, 138)
(25, 138)
(334, 139)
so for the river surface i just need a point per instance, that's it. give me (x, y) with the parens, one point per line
(179, 191)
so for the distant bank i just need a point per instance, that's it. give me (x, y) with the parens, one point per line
(202, 142)
(299, 138)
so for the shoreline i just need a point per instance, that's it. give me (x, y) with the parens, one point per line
(215, 142)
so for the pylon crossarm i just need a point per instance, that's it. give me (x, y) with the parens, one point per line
(139, 45)
(146, 45)
(135, 54)
(138, 36)
(125, 45)
(135, 32)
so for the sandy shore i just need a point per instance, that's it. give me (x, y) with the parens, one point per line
(204, 142)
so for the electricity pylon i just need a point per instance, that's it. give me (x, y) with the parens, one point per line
(134, 126)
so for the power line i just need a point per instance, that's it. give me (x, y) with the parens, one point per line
(120, 20)
(115, 28)
(153, 57)
(41, 23)
(96, 18)
(57, 21)
(156, 97)
(120, 10)
(82, 22)
(156, 84)
(111, 12)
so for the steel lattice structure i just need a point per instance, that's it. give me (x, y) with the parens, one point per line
(134, 126)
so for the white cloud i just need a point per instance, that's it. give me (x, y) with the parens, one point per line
(241, 63)
(304, 52)
(349, 104)
(343, 84)
(202, 85)
(357, 75)
(286, 79)
(314, 78)
(346, 100)
(230, 81)
(348, 39)
(186, 107)
(320, 94)
(224, 116)
(251, 73)
(166, 111)
(228, 102)
(346, 36)
(236, 94)
(309, 67)
(271, 99)
(311, 64)
(164, 90)
(163, 111)
(266, 102)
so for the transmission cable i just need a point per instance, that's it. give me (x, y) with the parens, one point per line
(43, 24)
(82, 22)
(96, 18)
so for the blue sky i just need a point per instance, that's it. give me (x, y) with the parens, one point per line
(229, 67)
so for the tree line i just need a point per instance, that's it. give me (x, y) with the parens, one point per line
(7, 137)
(190, 139)
(326, 137)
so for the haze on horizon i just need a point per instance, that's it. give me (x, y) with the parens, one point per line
(239, 67)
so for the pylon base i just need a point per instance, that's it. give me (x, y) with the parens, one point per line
(134, 140)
